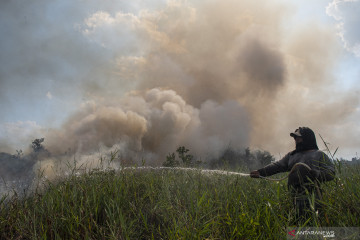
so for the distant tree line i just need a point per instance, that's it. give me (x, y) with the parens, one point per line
(36, 146)
(354, 161)
(19, 166)
(245, 159)
(230, 158)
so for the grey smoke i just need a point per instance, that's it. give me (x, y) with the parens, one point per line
(203, 75)
(154, 121)
(199, 86)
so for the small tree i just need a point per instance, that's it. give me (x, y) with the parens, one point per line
(19, 154)
(37, 146)
(187, 160)
(171, 161)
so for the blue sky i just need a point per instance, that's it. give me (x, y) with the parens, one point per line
(58, 57)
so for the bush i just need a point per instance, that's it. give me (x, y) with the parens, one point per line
(187, 160)
(244, 159)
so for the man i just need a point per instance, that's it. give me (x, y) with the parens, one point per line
(308, 167)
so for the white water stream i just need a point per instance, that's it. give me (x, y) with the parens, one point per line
(203, 171)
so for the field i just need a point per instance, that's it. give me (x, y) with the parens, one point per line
(170, 204)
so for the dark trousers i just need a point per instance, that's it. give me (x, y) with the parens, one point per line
(306, 193)
(306, 202)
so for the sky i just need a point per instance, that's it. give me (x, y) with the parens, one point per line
(145, 77)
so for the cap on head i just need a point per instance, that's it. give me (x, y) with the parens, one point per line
(296, 133)
(308, 136)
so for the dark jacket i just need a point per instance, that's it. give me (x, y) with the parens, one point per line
(322, 167)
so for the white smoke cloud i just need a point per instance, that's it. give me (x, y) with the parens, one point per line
(156, 75)
(114, 33)
(152, 123)
(346, 13)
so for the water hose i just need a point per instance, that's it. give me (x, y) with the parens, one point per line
(208, 171)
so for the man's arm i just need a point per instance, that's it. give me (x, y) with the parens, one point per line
(273, 168)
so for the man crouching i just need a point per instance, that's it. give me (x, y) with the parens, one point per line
(308, 167)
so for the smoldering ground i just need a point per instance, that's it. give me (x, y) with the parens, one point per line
(202, 75)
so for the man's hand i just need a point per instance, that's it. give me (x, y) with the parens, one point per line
(255, 174)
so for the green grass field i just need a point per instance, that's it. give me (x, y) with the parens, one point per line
(170, 204)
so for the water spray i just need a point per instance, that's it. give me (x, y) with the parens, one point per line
(203, 171)
(221, 172)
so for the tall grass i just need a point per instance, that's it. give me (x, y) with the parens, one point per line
(170, 204)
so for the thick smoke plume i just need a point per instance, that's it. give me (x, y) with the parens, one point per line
(201, 74)
(150, 124)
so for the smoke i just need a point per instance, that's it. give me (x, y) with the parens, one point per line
(151, 123)
(205, 75)
(202, 73)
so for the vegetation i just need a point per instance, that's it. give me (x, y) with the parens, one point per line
(170, 204)
(244, 159)
(187, 160)
(37, 146)
(229, 159)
